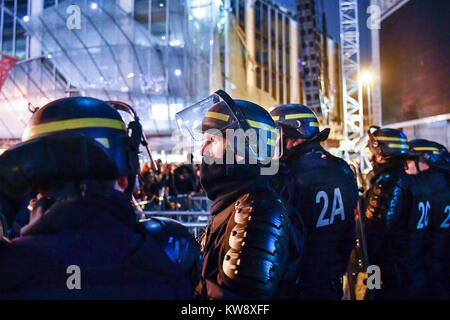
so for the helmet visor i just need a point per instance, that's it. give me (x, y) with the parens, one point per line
(278, 147)
(219, 118)
(211, 113)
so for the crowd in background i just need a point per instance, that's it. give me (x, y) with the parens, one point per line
(167, 186)
(170, 187)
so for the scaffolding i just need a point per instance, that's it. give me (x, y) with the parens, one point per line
(351, 86)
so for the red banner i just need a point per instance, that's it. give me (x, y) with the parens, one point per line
(6, 64)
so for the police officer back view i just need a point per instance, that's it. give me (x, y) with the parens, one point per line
(248, 249)
(395, 226)
(83, 241)
(429, 162)
(323, 189)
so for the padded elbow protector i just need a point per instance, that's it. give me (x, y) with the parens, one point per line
(255, 246)
(385, 201)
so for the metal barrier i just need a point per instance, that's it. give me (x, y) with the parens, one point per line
(181, 202)
(195, 221)
(195, 217)
(199, 203)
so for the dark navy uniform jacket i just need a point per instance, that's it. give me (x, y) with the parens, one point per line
(323, 189)
(397, 208)
(117, 258)
(438, 182)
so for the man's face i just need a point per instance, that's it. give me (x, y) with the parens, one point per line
(292, 143)
(411, 167)
(214, 146)
(375, 157)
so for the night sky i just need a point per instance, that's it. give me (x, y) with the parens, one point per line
(414, 57)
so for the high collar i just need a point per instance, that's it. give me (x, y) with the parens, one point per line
(75, 213)
(391, 165)
(303, 148)
(225, 183)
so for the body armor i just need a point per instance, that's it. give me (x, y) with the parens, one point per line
(323, 189)
(438, 181)
(246, 249)
(179, 246)
(397, 218)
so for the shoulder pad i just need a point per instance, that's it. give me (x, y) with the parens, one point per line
(260, 206)
(176, 241)
(344, 166)
(255, 244)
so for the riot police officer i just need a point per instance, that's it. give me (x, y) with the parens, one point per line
(323, 189)
(248, 249)
(395, 213)
(83, 240)
(429, 162)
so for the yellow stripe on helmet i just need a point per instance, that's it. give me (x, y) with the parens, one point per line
(435, 150)
(261, 125)
(398, 146)
(276, 118)
(217, 115)
(314, 124)
(383, 138)
(79, 123)
(299, 116)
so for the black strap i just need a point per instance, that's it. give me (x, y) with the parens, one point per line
(234, 108)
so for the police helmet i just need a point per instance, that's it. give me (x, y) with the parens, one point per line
(298, 122)
(433, 153)
(387, 142)
(219, 112)
(71, 139)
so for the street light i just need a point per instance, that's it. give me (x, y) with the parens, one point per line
(367, 78)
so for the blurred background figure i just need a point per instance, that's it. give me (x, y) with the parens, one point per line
(395, 226)
(429, 162)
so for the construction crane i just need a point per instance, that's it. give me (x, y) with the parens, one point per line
(314, 71)
(351, 86)
(354, 133)
(314, 63)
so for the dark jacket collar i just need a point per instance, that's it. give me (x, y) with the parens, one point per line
(77, 212)
(303, 148)
(393, 165)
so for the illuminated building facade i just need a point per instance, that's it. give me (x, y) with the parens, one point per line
(158, 55)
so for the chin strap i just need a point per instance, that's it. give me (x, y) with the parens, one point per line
(416, 163)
